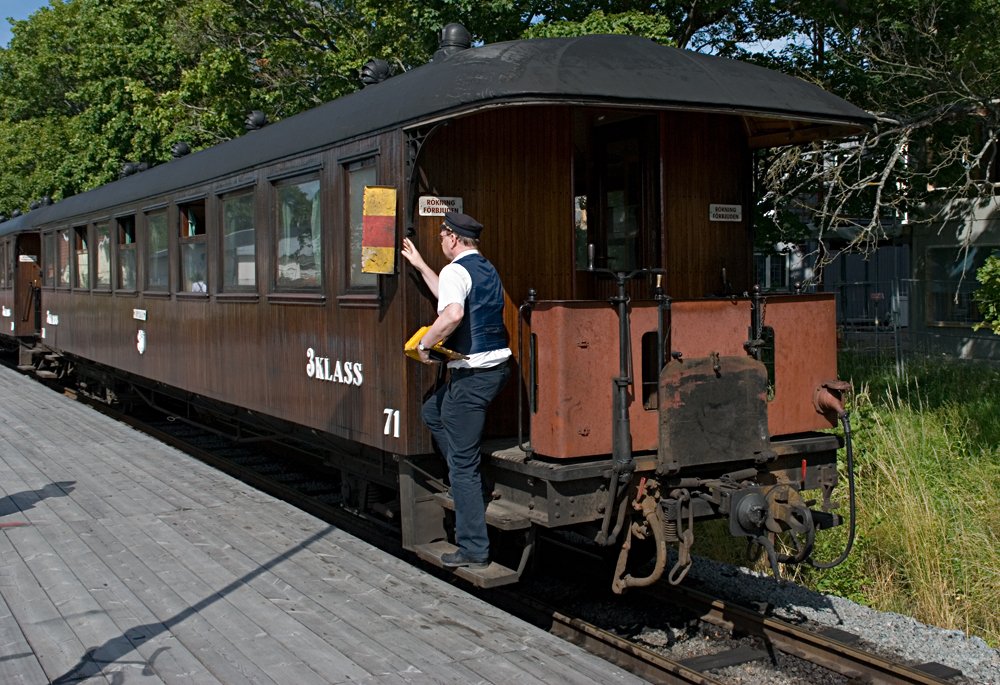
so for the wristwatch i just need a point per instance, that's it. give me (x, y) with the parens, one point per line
(421, 347)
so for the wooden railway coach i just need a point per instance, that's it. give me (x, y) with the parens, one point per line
(614, 178)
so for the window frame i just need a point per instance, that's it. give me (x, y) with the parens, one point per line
(277, 184)
(48, 267)
(361, 294)
(81, 247)
(223, 199)
(623, 192)
(126, 248)
(63, 277)
(9, 266)
(147, 251)
(192, 208)
(101, 230)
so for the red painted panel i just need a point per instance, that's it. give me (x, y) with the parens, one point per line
(577, 346)
(577, 360)
(805, 335)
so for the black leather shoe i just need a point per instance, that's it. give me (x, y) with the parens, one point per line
(458, 558)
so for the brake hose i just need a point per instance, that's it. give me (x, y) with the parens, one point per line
(845, 419)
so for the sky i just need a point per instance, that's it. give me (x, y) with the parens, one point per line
(17, 9)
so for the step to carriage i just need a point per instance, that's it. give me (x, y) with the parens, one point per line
(498, 516)
(494, 575)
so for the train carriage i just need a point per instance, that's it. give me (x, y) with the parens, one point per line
(614, 178)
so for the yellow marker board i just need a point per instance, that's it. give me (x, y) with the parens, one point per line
(378, 230)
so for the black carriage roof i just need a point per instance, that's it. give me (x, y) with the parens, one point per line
(598, 69)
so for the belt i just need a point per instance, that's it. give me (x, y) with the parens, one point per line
(466, 371)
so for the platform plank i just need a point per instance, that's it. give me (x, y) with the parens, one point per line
(18, 663)
(123, 560)
(160, 652)
(173, 616)
(53, 642)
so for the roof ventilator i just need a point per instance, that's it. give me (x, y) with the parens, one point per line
(132, 168)
(453, 38)
(255, 120)
(375, 71)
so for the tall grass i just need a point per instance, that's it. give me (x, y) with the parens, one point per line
(927, 462)
(927, 466)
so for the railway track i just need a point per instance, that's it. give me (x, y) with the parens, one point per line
(830, 648)
(823, 650)
(316, 493)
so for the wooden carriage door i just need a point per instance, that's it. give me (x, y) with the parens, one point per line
(28, 278)
(706, 163)
(622, 206)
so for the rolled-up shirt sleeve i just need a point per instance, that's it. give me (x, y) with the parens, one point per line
(454, 286)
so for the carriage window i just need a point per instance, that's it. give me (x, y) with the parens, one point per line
(102, 234)
(10, 264)
(622, 203)
(126, 253)
(81, 274)
(239, 259)
(299, 249)
(581, 237)
(5, 266)
(48, 259)
(157, 256)
(194, 272)
(360, 174)
(62, 259)
(617, 213)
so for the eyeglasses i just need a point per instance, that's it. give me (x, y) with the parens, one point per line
(445, 232)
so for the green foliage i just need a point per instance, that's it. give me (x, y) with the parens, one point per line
(928, 469)
(653, 26)
(89, 77)
(29, 168)
(110, 81)
(987, 296)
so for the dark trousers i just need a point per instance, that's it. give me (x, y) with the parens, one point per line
(455, 415)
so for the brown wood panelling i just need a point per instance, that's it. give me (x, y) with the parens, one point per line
(513, 170)
(705, 160)
(252, 351)
(27, 274)
(6, 288)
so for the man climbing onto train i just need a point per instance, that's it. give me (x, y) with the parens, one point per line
(470, 317)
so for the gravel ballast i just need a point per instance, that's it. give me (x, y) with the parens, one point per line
(892, 634)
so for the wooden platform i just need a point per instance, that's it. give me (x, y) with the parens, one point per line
(124, 561)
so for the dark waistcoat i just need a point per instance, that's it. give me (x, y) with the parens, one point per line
(482, 328)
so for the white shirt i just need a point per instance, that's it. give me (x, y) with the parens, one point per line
(454, 286)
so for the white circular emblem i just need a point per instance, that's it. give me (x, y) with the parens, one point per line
(140, 341)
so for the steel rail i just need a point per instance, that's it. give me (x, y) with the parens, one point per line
(620, 651)
(830, 653)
